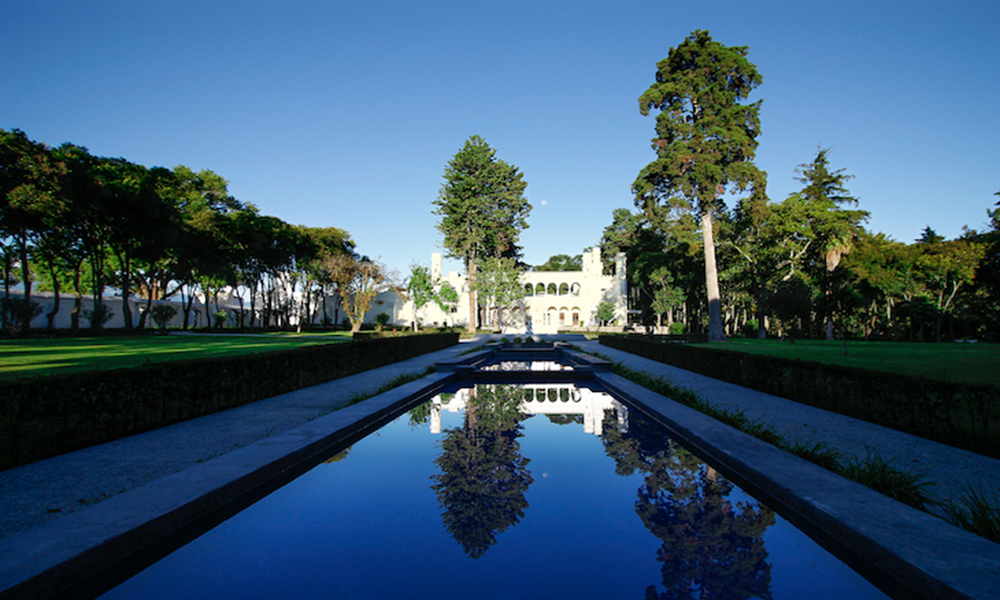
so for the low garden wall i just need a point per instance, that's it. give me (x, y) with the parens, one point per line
(960, 415)
(51, 415)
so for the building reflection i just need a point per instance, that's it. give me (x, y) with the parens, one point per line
(542, 399)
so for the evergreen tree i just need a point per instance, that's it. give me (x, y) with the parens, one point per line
(482, 208)
(832, 227)
(705, 140)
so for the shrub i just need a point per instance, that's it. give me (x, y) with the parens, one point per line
(13, 313)
(161, 314)
(99, 316)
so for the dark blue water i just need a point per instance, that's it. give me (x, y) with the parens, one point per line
(499, 503)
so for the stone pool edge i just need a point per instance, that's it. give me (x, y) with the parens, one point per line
(76, 555)
(900, 548)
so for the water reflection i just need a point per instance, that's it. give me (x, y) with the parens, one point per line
(526, 365)
(587, 405)
(712, 547)
(483, 476)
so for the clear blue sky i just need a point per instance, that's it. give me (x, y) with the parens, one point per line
(345, 113)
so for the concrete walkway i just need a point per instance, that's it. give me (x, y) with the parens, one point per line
(33, 494)
(952, 471)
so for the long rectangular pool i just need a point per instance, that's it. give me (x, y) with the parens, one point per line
(506, 491)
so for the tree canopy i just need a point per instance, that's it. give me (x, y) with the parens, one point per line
(72, 220)
(562, 262)
(483, 209)
(705, 140)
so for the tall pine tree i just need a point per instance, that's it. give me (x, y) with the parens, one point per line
(705, 140)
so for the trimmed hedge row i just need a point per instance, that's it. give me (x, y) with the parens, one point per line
(46, 416)
(960, 415)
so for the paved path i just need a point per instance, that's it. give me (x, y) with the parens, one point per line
(952, 471)
(38, 492)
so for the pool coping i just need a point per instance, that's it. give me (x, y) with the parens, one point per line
(906, 552)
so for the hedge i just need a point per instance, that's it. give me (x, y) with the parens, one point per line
(960, 415)
(50, 415)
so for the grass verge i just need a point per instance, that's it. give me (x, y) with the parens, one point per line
(395, 382)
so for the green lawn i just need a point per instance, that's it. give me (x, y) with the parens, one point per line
(970, 363)
(20, 358)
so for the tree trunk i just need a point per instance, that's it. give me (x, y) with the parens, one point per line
(126, 262)
(51, 316)
(472, 297)
(7, 270)
(715, 331)
(326, 316)
(26, 281)
(74, 315)
(761, 325)
(253, 302)
(187, 306)
(145, 313)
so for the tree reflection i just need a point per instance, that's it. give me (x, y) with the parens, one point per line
(712, 547)
(483, 478)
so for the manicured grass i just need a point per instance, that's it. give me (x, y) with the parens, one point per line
(967, 363)
(19, 358)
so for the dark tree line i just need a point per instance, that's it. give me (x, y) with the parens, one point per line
(802, 266)
(83, 225)
(807, 267)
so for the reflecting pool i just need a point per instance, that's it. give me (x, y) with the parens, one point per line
(506, 491)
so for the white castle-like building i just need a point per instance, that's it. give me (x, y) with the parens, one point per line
(553, 299)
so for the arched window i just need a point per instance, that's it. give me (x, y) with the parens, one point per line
(528, 290)
(563, 289)
(575, 289)
(540, 289)
(551, 290)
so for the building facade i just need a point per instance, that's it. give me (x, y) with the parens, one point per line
(552, 300)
